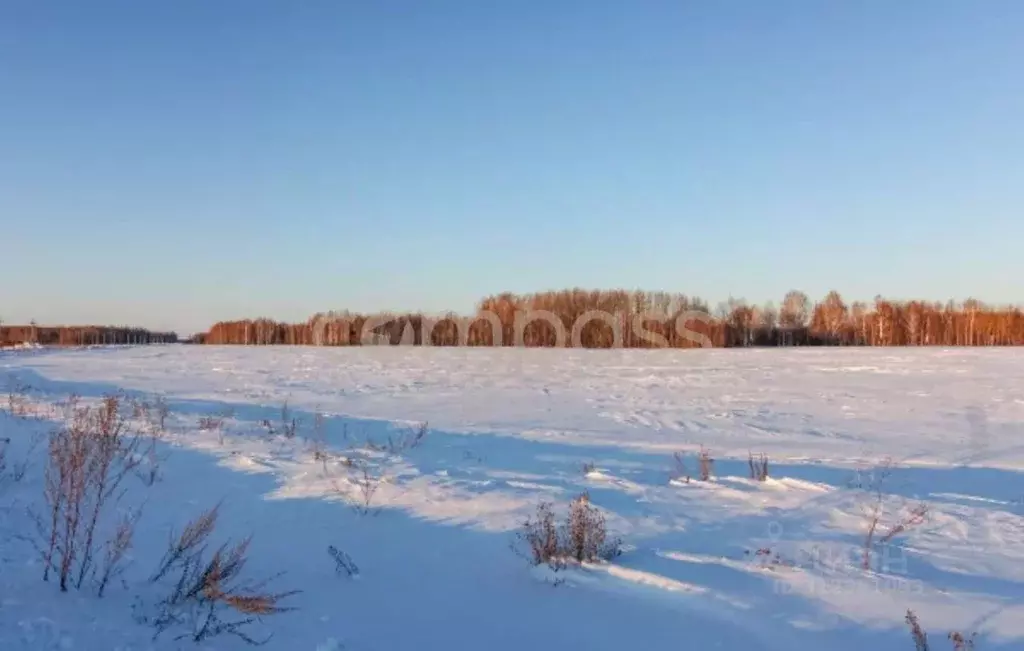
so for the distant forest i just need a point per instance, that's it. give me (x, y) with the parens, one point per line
(80, 335)
(638, 319)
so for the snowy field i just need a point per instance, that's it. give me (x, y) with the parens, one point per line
(731, 563)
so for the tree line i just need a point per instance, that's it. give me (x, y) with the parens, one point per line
(639, 319)
(12, 335)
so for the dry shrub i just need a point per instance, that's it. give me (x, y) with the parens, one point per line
(680, 471)
(153, 413)
(88, 458)
(588, 533)
(706, 463)
(12, 469)
(161, 410)
(209, 596)
(191, 539)
(368, 485)
(916, 632)
(115, 549)
(368, 482)
(320, 437)
(342, 562)
(769, 559)
(151, 472)
(409, 439)
(920, 638)
(140, 409)
(961, 643)
(912, 517)
(17, 398)
(365, 473)
(540, 534)
(758, 467)
(4, 443)
(215, 423)
(289, 424)
(705, 466)
(581, 538)
(210, 423)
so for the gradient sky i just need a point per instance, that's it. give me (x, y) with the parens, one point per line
(168, 164)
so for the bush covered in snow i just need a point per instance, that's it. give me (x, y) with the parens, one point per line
(581, 538)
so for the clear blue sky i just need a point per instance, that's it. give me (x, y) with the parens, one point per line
(168, 164)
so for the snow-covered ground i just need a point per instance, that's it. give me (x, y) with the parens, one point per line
(509, 428)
